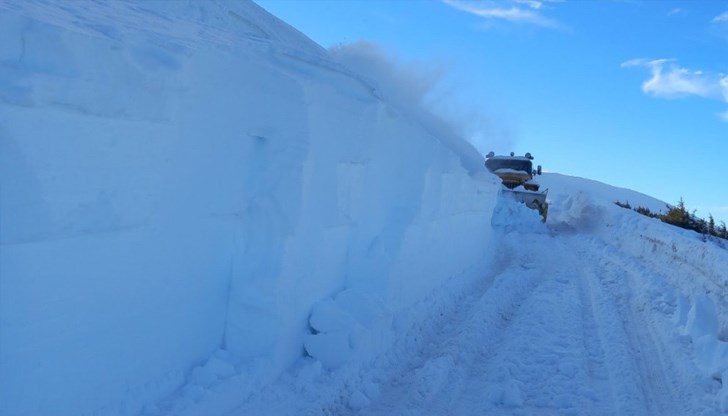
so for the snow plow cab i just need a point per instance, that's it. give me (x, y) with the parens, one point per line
(516, 173)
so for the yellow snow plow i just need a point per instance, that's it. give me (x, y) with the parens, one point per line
(516, 173)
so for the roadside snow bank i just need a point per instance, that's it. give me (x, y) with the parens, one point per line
(180, 178)
(563, 185)
(676, 276)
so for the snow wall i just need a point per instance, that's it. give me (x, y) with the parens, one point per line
(183, 177)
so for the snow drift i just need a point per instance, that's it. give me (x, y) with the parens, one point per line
(183, 181)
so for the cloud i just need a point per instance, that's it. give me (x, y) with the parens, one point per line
(516, 11)
(672, 81)
(676, 11)
(669, 80)
(536, 4)
(721, 18)
(724, 116)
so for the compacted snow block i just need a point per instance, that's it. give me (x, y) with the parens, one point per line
(711, 354)
(700, 324)
(351, 326)
(217, 367)
(701, 318)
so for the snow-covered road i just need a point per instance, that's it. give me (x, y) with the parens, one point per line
(563, 325)
(550, 334)
(525, 339)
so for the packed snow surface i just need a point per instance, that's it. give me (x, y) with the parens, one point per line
(204, 213)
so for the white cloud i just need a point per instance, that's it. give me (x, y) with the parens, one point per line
(675, 81)
(669, 80)
(637, 62)
(721, 18)
(517, 11)
(724, 116)
(536, 4)
(676, 11)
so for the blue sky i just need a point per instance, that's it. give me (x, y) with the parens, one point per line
(633, 93)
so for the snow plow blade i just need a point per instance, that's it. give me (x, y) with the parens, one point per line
(533, 199)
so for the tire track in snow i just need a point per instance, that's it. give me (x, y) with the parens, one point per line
(625, 387)
(665, 388)
(557, 371)
(519, 348)
(435, 380)
(568, 341)
(596, 366)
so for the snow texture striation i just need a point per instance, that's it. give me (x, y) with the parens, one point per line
(202, 212)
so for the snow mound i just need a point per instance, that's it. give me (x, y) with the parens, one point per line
(351, 326)
(575, 212)
(510, 215)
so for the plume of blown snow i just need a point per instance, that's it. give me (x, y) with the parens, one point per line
(408, 87)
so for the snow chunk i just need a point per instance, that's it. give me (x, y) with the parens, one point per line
(576, 212)
(333, 349)
(512, 394)
(216, 368)
(681, 313)
(358, 401)
(711, 354)
(507, 394)
(353, 325)
(506, 171)
(702, 319)
(326, 316)
(511, 215)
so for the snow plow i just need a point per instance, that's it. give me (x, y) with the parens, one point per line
(516, 174)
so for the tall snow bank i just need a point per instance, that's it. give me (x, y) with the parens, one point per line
(179, 178)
